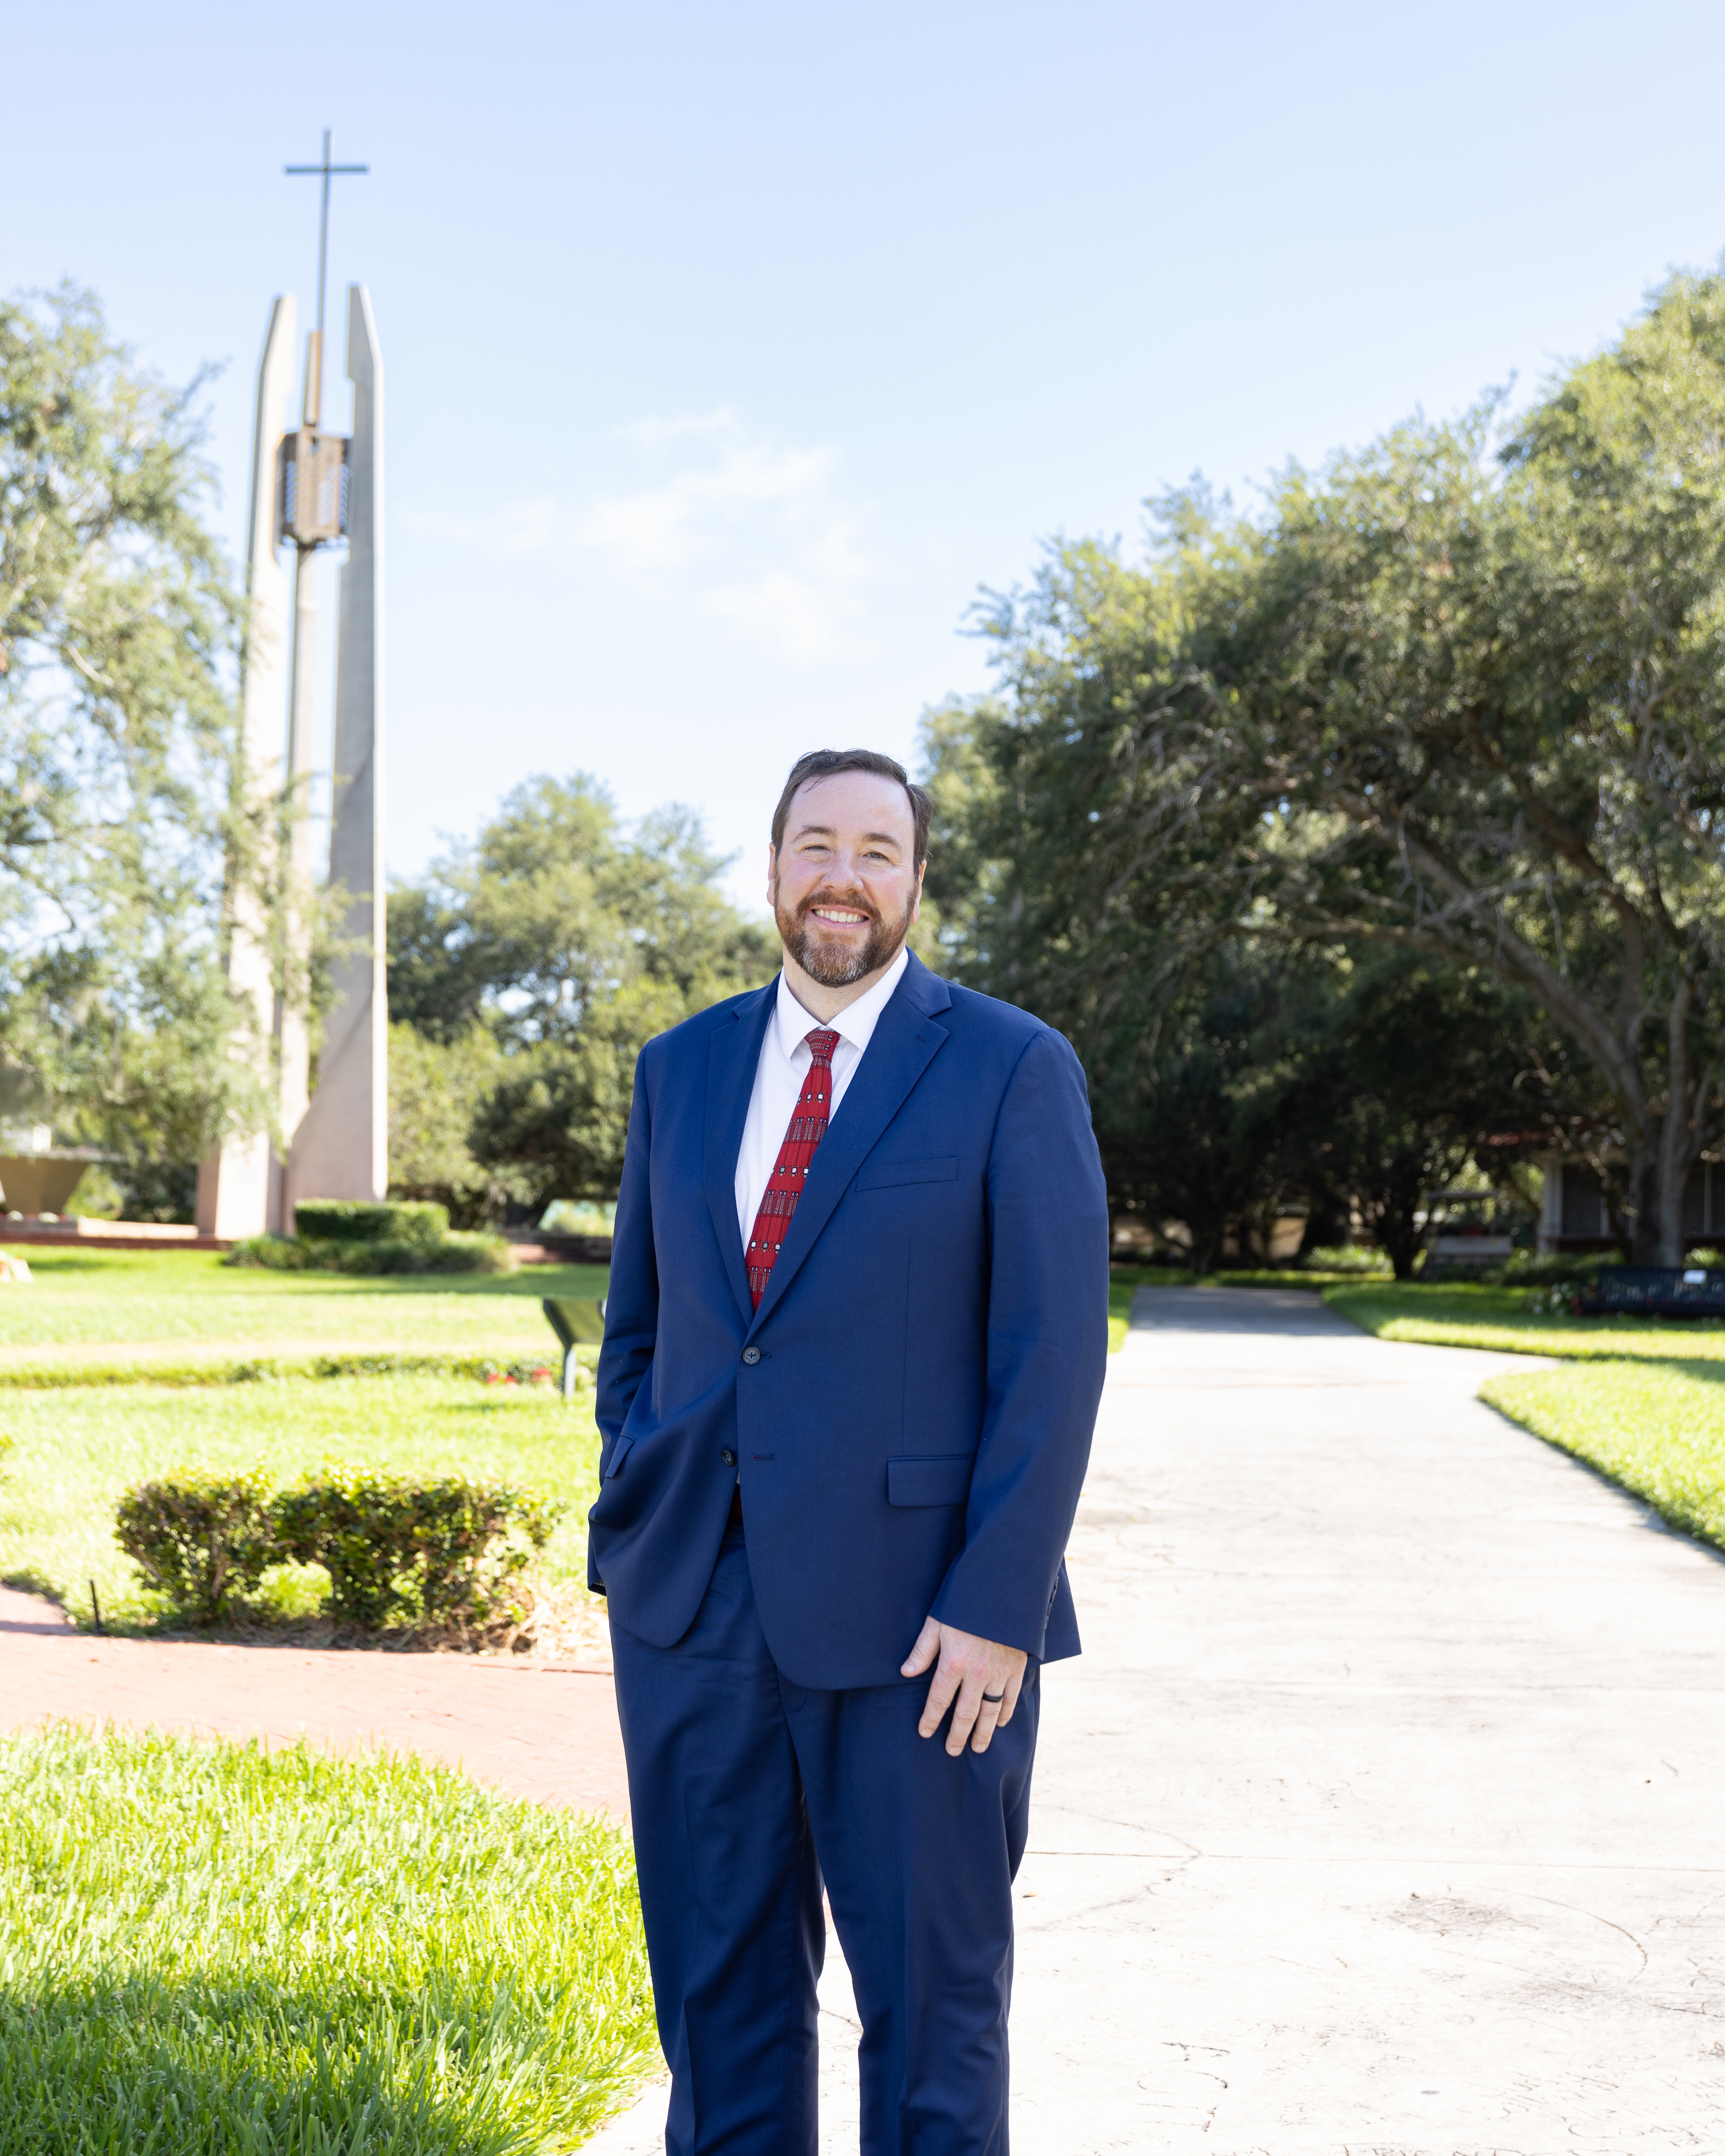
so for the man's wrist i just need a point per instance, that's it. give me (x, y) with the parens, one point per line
(997, 1634)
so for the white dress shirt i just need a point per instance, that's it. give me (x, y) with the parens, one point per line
(785, 1058)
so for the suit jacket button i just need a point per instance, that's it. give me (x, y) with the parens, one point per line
(750, 1354)
(728, 1456)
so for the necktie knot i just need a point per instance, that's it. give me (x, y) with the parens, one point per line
(822, 1041)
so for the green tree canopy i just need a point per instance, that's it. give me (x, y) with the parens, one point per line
(118, 625)
(1287, 1077)
(1402, 1073)
(1462, 693)
(567, 939)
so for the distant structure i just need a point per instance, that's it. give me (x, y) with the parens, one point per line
(312, 488)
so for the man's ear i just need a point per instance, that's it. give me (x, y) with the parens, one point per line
(772, 876)
(917, 897)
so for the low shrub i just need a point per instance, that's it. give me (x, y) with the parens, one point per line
(354, 1220)
(451, 1551)
(456, 1253)
(1346, 1258)
(204, 1540)
(1553, 1269)
(1559, 1298)
(49, 1376)
(537, 1370)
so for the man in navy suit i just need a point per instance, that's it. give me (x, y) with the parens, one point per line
(854, 1346)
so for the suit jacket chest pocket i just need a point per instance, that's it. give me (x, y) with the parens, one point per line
(892, 1174)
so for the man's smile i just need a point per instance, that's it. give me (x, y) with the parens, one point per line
(842, 916)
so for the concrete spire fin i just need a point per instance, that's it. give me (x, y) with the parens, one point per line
(234, 1183)
(341, 1149)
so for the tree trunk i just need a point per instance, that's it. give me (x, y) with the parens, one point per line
(1643, 1195)
(1674, 1174)
(1393, 1206)
(1679, 1137)
(1398, 1235)
(1326, 1226)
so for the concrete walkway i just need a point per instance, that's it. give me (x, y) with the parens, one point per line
(1385, 1815)
(1383, 1812)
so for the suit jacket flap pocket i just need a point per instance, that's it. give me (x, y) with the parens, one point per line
(932, 1478)
(882, 1175)
(615, 1466)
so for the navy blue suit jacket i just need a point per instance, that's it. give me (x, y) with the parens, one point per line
(911, 1409)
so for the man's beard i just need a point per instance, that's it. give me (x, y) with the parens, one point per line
(834, 964)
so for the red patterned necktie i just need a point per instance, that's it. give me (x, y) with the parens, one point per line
(806, 1129)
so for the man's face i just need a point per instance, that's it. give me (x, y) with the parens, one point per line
(843, 887)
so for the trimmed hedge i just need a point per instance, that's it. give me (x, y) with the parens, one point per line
(356, 1220)
(349, 1235)
(457, 1253)
(202, 1540)
(450, 1552)
(275, 1369)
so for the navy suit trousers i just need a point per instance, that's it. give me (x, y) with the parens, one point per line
(748, 1792)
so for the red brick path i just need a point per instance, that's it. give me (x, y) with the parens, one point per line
(538, 1729)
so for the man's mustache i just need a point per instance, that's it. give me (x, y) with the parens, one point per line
(853, 901)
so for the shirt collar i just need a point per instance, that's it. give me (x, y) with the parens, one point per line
(855, 1023)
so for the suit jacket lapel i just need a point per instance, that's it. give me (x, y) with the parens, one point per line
(733, 1054)
(906, 1041)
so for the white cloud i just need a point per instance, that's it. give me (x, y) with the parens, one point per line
(697, 509)
(520, 527)
(652, 434)
(792, 612)
(804, 612)
(729, 526)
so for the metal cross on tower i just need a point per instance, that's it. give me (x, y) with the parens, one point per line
(314, 489)
(327, 171)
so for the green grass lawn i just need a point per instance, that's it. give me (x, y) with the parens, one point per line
(99, 1350)
(141, 1305)
(1120, 1309)
(108, 1316)
(1501, 1317)
(214, 1950)
(76, 1449)
(1657, 1428)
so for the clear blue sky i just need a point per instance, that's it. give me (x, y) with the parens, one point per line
(731, 348)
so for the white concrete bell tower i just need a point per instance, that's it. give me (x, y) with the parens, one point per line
(311, 490)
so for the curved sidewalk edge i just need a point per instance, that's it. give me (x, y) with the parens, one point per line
(1381, 1811)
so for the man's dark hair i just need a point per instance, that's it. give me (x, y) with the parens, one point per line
(824, 762)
